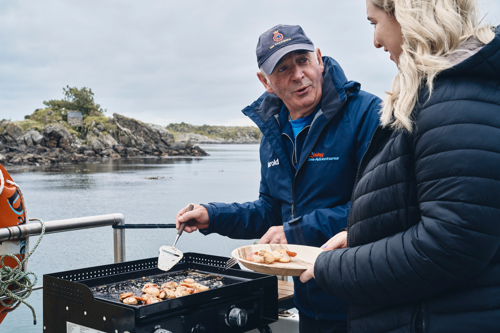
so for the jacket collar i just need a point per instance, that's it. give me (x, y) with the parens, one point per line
(485, 63)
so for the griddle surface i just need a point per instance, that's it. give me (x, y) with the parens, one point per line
(111, 292)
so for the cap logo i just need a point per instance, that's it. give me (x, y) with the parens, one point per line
(278, 36)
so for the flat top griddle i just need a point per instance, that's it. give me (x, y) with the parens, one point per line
(111, 292)
(106, 283)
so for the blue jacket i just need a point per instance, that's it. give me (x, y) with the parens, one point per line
(311, 202)
(424, 226)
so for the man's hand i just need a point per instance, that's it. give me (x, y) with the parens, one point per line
(339, 241)
(307, 275)
(197, 218)
(275, 235)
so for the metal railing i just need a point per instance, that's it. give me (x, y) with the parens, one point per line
(35, 228)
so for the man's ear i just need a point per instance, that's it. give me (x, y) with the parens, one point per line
(265, 83)
(320, 60)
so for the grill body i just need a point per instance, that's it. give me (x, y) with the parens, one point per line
(86, 299)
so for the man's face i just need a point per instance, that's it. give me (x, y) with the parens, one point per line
(298, 81)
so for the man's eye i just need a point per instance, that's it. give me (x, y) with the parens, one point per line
(282, 69)
(303, 60)
(372, 23)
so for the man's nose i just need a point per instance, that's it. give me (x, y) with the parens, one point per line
(297, 74)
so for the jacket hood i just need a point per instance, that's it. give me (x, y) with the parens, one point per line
(336, 89)
(485, 63)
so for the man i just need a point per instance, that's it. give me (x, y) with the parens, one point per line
(316, 126)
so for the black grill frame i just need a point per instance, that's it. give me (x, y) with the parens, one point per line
(67, 295)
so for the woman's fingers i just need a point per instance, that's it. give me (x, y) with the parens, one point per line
(339, 241)
(307, 275)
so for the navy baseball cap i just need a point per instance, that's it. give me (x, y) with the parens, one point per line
(277, 42)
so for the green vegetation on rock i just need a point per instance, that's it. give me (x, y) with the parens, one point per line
(42, 117)
(56, 113)
(3, 126)
(47, 116)
(29, 124)
(77, 99)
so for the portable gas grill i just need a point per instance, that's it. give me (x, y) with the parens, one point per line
(86, 300)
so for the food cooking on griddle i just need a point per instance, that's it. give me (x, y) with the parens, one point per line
(168, 290)
(266, 257)
(169, 285)
(128, 298)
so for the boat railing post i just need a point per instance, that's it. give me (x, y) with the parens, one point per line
(119, 240)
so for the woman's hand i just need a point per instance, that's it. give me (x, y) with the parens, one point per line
(339, 241)
(307, 275)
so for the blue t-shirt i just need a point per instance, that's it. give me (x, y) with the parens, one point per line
(296, 126)
(299, 124)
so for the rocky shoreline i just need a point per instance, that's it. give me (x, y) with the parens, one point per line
(103, 138)
(37, 156)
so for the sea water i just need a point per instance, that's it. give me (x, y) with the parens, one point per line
(144, 190)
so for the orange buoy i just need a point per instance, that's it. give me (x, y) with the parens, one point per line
(12, 213)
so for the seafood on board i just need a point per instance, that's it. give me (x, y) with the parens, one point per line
(266, 257)
(152, 293)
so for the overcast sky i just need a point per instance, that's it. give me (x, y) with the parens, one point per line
(171, 61)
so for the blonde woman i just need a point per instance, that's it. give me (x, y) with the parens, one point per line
(422, 248)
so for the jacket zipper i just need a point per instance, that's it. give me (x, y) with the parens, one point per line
(293, 150)
(297, 170)
(295, 146)
(293, 158)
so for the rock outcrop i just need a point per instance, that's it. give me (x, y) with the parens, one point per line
(100, 138)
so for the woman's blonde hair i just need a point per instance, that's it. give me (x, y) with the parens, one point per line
(432, 30)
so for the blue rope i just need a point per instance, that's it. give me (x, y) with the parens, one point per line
(14, 279)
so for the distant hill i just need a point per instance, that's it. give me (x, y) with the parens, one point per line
(215, 134)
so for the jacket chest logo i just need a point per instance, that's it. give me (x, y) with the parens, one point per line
(273, 163)
(318, 157)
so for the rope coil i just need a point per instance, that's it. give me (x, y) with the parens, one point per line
(14, 279)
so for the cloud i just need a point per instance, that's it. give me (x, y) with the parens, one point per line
(170, 61)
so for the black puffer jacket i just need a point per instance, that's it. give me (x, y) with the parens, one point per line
(424, 226)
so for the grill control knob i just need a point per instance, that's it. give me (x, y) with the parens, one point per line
(161, 330)
(237, 317)
(199, 328)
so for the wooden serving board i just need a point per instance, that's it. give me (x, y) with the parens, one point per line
(306, 256)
